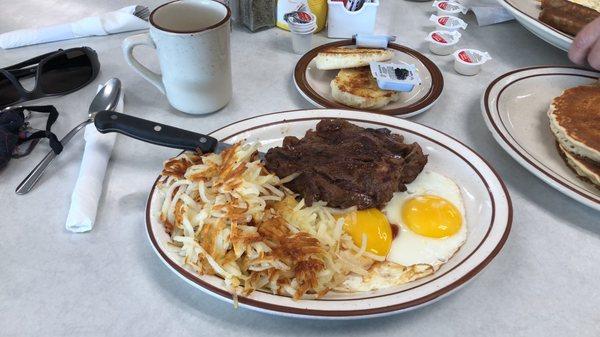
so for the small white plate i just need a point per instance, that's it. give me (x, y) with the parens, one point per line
(315, 85)
(515, 107)
(527, 12)
(487, 204)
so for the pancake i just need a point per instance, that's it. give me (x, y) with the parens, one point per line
(569, 16)
(586, 169)
(575, 120)
(593, 4)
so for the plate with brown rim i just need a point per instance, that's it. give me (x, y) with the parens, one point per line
(527, 13)
(488, 218)
(315, 85)
(515, 107)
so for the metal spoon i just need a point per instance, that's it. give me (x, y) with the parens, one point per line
(106, 99)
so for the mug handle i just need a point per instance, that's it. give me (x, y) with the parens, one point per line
(128, 45)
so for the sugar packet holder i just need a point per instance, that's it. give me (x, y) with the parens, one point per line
(395, 76)
(354, 5)
(373, 41)
(448, 22)
(445, 7)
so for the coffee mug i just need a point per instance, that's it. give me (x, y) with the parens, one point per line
(191, 38)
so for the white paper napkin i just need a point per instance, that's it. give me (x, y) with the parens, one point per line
(488, 12)
(88, 188)
(119, 21)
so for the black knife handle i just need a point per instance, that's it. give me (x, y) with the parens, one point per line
(153, 132)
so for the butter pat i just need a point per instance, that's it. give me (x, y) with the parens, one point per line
(373, 41)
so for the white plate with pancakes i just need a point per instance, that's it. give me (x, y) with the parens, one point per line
(315, 84)
(515, 107)
(485, 201)
(527, 12)
(558, 22)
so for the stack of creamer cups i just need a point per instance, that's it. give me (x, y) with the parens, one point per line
(302, 24)
(443, 41)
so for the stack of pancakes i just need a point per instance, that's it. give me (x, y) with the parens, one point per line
(575, 122)
(569, 16)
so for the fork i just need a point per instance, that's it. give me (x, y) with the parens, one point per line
(142, 12)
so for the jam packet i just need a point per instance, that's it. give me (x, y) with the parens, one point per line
(395, 76)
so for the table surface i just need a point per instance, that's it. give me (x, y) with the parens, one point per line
(109, 281)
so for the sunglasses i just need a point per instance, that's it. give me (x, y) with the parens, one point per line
(56, 73)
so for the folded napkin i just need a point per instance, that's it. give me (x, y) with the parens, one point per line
(118, 21)
(488, 12)
(88, 188)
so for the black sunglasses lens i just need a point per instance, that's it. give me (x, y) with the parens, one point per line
(8, 92)
(65, 72)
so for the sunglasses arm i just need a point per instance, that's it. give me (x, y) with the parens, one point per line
(25, 72)
(31, 61)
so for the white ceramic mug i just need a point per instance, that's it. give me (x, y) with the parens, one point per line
(191, 38)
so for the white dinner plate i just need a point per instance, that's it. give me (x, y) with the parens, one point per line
(515, 107)
(315, 85)
(487, 204)
(527, 12)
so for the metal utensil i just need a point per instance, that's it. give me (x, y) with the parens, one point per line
(141, 12)
(106, 99)
(157, 133)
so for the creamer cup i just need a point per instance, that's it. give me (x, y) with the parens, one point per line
(302, 42)
(302, 25)
(448, 22)
(442, 42)
(445, 7)
(468, 61)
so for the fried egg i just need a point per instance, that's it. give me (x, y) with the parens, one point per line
(431, 219)
(372, 225)
(430, 216)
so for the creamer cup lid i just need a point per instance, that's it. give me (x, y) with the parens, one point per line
(443, 37)
(448, 21)
(299, 17)
(450, 6)
(471, 56)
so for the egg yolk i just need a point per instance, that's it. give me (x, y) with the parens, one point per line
(373, 223)
(431, 216)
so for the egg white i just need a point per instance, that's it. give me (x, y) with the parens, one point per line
(410, 248)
